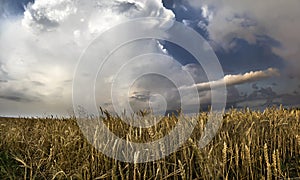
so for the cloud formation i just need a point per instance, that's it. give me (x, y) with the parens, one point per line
(253, 19)
(39, 50)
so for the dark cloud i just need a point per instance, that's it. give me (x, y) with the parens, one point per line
(22, 95)
(68, 81)
(296, 92)
(254, 86)
(291, 76)
(16, 99)
(290, 100)
(245, 21)
(268, 41)
(37, 83)
(258, 99)
(263, 94)
(151, 88)
(44, 22)
(268, 94)
(2, 71)
(141, 96)
(125, 6)
(266, 97)
(233, 97)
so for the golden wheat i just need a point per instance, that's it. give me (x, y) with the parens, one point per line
(250, 144)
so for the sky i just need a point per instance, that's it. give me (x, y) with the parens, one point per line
(256, 42)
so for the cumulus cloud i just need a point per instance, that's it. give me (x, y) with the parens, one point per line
(251, 19)
(39, 50)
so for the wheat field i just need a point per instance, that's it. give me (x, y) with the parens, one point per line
(249, 145)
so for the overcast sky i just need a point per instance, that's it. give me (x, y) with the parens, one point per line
(256, 42)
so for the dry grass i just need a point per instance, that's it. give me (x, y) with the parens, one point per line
(250, 145)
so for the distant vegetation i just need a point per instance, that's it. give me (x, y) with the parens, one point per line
(249, 145)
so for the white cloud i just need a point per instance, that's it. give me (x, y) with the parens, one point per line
(206, 13)
(39, 51)
(231, 80)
